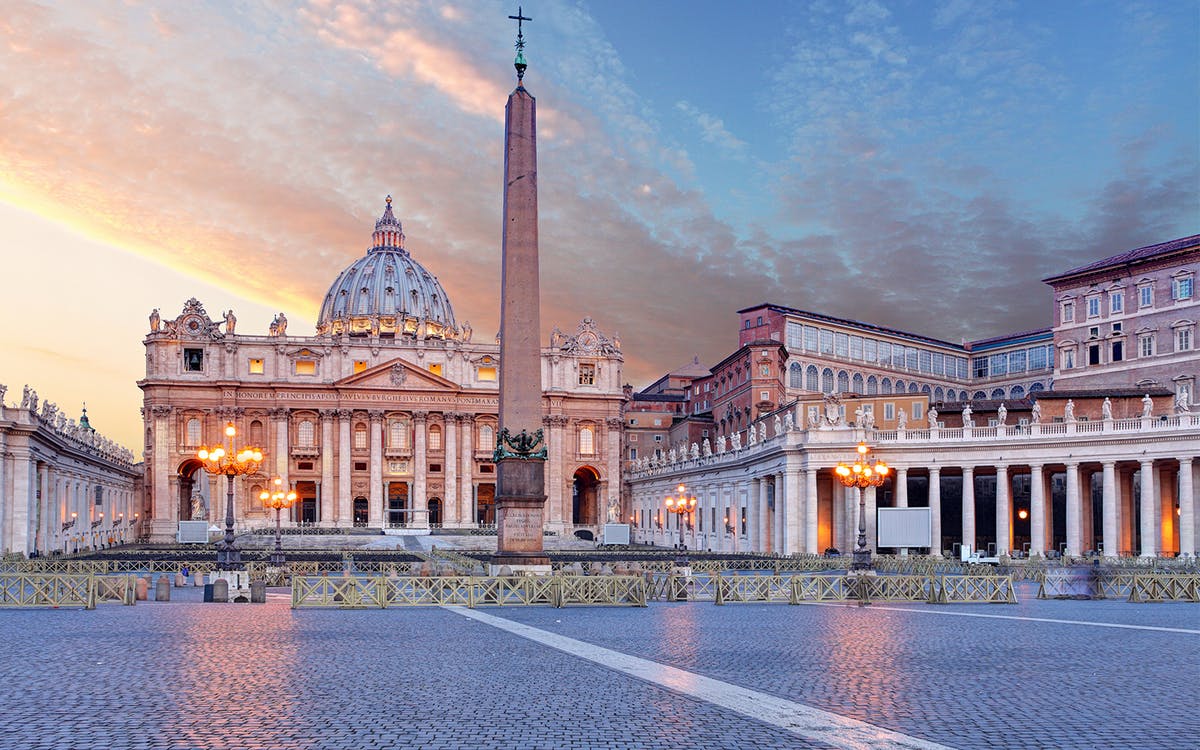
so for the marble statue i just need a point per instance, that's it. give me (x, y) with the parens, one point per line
(197, 507)
(614, 511)
(1181, 402)
(966, 416)
(720, 443)
(751, 436)
(762, 432)
(1002, 415)
(1069, 411)
(273, 329)
(778, 425)
(695, 452)
(282, 324)
(788, 421)
(1147, 406)
(706, 449)
(1036, 415)
(155, 321)
(1106, 408)
(230, 322)
(466, 331)
(735, 441)
(901, 420)
(932, 416)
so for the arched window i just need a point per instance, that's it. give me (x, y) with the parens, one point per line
(913, 388)
(899, 386)
(796, 375)
(812, 379)
(305, 434)
(193, 432)
(487, 437)
(962, 395)
(1016, 392)
(1034, 387)
(872, 386)
(997, 393)
(885, 386)
(827, 381)
(926, 390)
(843, 382)
(256, 434)
(939, 394)
(587, 444)
(435, 437)
(360, 436)
(398, 434)
(856, 384)
(978, 395)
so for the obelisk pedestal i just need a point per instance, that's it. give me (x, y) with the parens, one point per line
(520, 453)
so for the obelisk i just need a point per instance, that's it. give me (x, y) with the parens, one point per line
(520, 452)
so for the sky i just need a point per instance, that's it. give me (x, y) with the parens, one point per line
(919, 165)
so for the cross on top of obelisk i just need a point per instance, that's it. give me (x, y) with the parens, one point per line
(519, 62)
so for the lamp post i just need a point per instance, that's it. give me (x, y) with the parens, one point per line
(862, 474)
(278, 500)
(223, 459)
(681, 504)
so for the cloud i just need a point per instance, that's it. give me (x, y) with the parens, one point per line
(713, 130)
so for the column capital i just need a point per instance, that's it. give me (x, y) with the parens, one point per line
(161, 410)
(1110, 464)
(452, 416)
(376, 415)
(556, 420)
(1185, 461)
(420, 416)
(280, 412)
(614, 423)
(345, 414)
(327, 415)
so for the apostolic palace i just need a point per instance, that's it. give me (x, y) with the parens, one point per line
(1078, 437)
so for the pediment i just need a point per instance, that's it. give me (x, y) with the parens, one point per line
(399, 374)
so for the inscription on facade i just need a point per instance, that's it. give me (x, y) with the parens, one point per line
(364, 396)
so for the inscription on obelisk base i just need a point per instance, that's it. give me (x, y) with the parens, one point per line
(520, 443)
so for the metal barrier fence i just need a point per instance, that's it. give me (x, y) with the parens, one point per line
(976, 589)
(1090, 583)
(808, 587)
(63, 590)
(467, 591)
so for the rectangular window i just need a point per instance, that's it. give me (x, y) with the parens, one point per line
(256, 366)
(99, 495)
(841, 344)
(856, 347)
(485, 374)
(1093, 307)
(1181, 288)
(1068, 359)
(360, 439)
(658, 438)
(764, 395)
(926, 360)
(1116, 303)
(587, 373)
(1037, 358)
(979, 367)
(633, 438)
(1183, 340)
(1146, 345)
(633, 454)
(1118, 351)
(193, 360)
(435, 368)
(918, 409)
(870, 350)
(826, 341)
(1094, 332)
(885, 353)
(961, 367)
(810, 339)
(1093, 354)
(1016, 362)
(1068, 312)
(998, 364)
(1117, 328)
(657, 422)
(1145, 296)
(938, 360)
(306, 367)
(360, 365)
(889, 410)
(795, 336)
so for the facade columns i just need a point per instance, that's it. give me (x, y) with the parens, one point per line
(450, 466)
(872, 504)
(1074, 512)
(811, 506)
(166, 505)
(790, 480)
(345, 495)
(612, 451)
(968, 507)
(466, 493)
(375, 493)
(1148, 501)
(1187, 510)
(1003, 512)
(329, 495)
(901, 495)
(1108, 492)
(280, 419)
(418, 502)
(762, 535)
(935, 510)
(556, 497)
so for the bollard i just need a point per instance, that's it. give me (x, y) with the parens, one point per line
(258, 592)
(180, 581)
(162, 589)
(141, 589)
(220, 590)
(197, 579)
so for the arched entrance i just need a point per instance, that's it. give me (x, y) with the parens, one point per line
(435, 511)
(361, 513)
(585, 496)
(192, 481)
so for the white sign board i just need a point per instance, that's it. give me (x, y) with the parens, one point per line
(904, 527)
(192, 532)
(616, 533)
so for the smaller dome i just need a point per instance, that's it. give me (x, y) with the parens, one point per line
(387, 292)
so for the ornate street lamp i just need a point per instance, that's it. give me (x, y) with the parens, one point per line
(223, 459)
(862, 474)
(278, 500)
(681, 504)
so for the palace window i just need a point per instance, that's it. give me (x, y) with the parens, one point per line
(810, 339)
(633, 454)
(487, 437)
(360, 436)
(1145, 295)
(1068, 359)
(1068, 312)
(1093, 307)
(856, 347)
(398, 435)
(1016, 361)
(587, 445)
(256, 366)
(99, 495)
(1118, 351)
(485, 373)
(587, 373)
(841, 344)
(435, 437)
(193, 360)
(870, 350)
(1183, 339)
(1037, 358)
(306, 367)
(193, 436)
(1116, 302)
(826, 341)
(918, 409)
(1146, 345)
(1093, 354)
(305, 434)
(1181, 287)
(796, 375)
(889, 411)
(256, 434)
(812, 379)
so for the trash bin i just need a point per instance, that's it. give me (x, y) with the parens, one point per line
(258, 592)
(208, 592)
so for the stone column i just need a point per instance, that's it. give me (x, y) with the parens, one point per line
(164, 506)
(837, 521)
(466, 491)
(612, 450)
(1187, 509)
(24, 488)
(329, 495)
(872, 496)
(901, 487)
(1108, 490)
(968, 506)
(345, 493)
(375, 497)
(1148, 502)
(557, 512)
(811, 507)
(1074, 513)
(450, 466)
(790, 480)
(279, 421)
(1003, 512)
(419, 502)
(762, 537)
(935, 510)
(45, 523)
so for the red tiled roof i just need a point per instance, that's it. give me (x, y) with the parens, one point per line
(1130, 256)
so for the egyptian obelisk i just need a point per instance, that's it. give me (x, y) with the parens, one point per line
(520, 445)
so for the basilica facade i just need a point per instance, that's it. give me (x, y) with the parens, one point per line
(385, 418)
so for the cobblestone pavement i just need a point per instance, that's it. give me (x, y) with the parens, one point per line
(190, 675)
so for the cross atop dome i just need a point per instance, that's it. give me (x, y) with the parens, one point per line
(519, 62)
(389, 233)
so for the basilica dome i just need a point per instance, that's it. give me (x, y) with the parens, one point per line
(386, 292)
